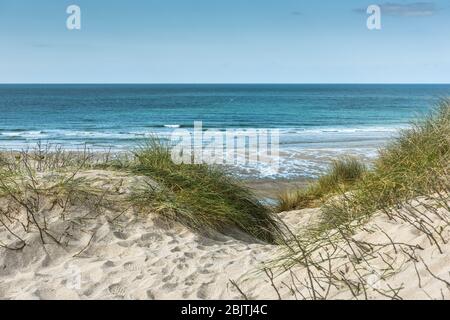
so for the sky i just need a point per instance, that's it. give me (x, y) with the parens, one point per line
(224, 41)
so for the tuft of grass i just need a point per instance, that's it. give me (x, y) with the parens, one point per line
(201, 196)
(414, 164)
(41, 184)
(341, 176)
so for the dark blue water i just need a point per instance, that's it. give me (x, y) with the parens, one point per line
(316, 121)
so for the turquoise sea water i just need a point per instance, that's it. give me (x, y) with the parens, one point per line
(316, 122)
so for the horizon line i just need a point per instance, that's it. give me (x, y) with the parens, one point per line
(224, 83)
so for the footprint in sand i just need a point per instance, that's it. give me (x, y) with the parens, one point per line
(186, 295)
(89, 291)
(204, 291)
(131, 266)
(179, 260)
(182, 266)
(169, 286)
(204, 271)
(189, 255)
(191, 279)
(157, 263)
(117, 290)
(189, 283)
(108, 264)
(151, 237)
(167, 278)
(120, 235)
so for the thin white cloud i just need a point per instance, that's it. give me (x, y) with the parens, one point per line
(410, 9)
(415, 9)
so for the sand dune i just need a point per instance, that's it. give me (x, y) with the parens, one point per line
(129, 255)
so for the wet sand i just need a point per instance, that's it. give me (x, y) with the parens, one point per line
(270, 188)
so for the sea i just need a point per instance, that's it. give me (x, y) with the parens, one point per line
(316, 123)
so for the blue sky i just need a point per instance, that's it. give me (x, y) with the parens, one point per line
(224, 41)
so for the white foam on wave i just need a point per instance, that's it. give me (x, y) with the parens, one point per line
(303, 153)
(25, 134)
(326, 130)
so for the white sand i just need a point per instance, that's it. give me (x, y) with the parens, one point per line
(134, 256)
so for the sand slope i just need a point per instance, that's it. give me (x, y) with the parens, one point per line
(128, 255)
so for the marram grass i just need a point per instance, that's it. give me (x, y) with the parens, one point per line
(201, 196)
(412, 165)
(341, 176)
